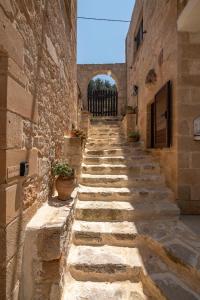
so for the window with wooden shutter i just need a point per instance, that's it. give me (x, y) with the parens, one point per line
(162, 117)
(139, 36)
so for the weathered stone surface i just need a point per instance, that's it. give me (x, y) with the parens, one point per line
(20, 101)
(116, 210)
(9, 204)
(11, 40)
(73, 152)
(121, 169)
(122, 180)
(11, 130)
(38, 105)
(87, 71)
(115, 159)
(174, 289)
(100, 233)
(157, 51)
(105, 263)
(102, 291)
(123, 194)
(46, 243)
(117, 227)
(182, 252)
(49, 243)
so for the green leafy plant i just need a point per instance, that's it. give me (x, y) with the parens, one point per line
(134, 134)
(129, 108)
(78, 133)
(62, 169)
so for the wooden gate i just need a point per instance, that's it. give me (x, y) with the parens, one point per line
(103, 102)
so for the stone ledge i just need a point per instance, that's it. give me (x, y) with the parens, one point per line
(46, 244)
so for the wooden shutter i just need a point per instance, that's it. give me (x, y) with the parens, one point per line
(162, 117)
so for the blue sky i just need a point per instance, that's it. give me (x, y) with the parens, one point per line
(103, 42)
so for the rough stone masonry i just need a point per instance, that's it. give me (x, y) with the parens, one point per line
(38, 105)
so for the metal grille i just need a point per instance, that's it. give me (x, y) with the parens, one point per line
(103, 102)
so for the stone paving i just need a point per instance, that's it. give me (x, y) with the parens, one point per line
(128, 240)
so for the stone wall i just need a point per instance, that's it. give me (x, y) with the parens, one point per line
(46, 247)
(158, 51)
(188, 110)
(118, 73)
(174, 56)
(38, 104)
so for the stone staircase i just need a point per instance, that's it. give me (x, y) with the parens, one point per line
(128, 242)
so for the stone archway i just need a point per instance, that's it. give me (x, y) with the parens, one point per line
(117, 71)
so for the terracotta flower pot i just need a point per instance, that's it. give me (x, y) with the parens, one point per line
(73, 134)
(133, 139)
(64, 187)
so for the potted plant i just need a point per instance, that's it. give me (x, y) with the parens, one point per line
(65, 180)
(129, 110)
(134, 136)
(78, 133)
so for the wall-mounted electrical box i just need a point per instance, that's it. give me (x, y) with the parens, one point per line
(24, 168)
(197, 129)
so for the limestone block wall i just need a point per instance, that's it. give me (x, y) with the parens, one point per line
(188, 110)
(46, 246)
(84, 121)
(118, 72)
(158, 51)
(128, 124)
(38, 104)
(174, 56)
(73, 148)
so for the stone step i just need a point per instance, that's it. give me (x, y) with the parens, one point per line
(104, 128)
(110, 169)
(115, 211)
(105, 141)
(106, 263)
(173, 288)
(105, 120)
(105, 145)
(110, 233)
(124, 194)
(103, 125)
(122, 180)
(79, 290)
(102, 133)
(116, 152)
(107, 134)
(91, 160)
(159, 277)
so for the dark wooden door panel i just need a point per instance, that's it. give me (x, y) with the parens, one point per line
(162, 116)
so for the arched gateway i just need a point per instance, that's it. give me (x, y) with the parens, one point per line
(110, 103)
(102, 96)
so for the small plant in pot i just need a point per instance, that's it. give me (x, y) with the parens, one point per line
(65, 180)
(134, 136)
(129, 110)
(78, 133)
